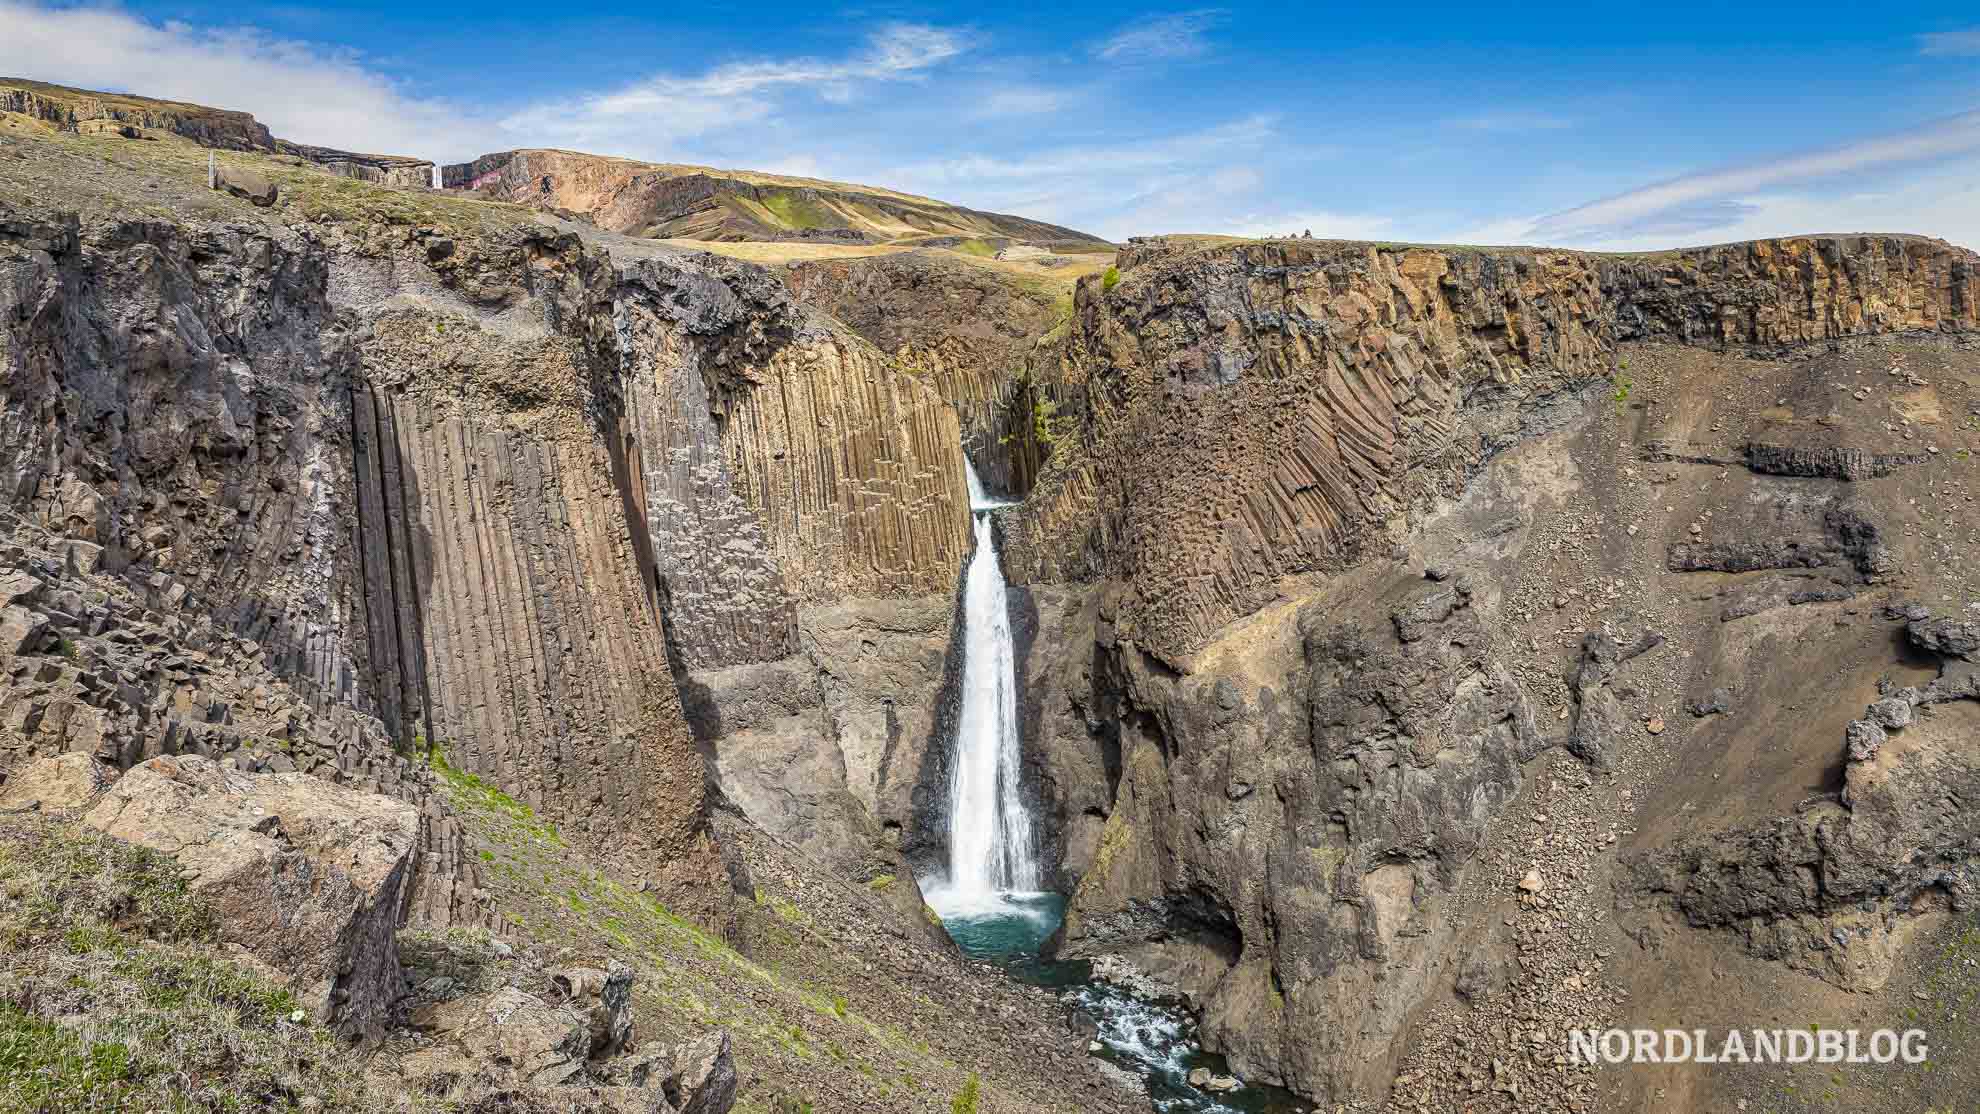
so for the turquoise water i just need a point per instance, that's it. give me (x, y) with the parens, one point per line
(1155, 1040)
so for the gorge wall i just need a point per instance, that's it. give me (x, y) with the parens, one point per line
(1279, 758)
(469, 490)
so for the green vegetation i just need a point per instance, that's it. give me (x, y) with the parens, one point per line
(796, 213)
(1110, 278)
(976, 247)
(66, 648)
(965, 1101)
(1621, 394)
(117, 998)
(881, 884)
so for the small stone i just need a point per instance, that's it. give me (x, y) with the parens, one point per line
(1532, 883)
(1654, 725)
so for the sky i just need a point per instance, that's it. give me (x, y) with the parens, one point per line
(1614, 126)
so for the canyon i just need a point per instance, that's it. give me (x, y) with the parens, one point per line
(1414, 653)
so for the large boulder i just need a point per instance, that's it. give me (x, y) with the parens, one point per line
(250, 187)
(306, 876)
(66, 783)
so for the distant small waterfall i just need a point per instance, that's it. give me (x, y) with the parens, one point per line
(436, 176)
(991, 848)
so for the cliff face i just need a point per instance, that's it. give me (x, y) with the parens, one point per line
(397, 171)
(968, 330)
(67, 108)
(1257, 411)
(460, 489)
(1303, 573)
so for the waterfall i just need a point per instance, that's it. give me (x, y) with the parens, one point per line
(436, 176)
(991, 851)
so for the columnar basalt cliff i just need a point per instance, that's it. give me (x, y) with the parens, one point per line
(456, 472)
(1306, 748)
(968, 330)
(1303, 399)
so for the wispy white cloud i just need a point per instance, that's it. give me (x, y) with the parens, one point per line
(1174, 36)
(663, 109)
(1511, 120)
(1021, 100)
(1951, 42)
(1695, 202)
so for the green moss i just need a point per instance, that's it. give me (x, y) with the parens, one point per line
(1110, 278)
(881, 884)
(976, 247)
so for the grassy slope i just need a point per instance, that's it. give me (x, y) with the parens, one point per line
(115, 996)
(829, 1008)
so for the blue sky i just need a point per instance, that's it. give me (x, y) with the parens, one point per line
(1615, 126)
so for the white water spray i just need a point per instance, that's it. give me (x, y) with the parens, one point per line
(991, 850)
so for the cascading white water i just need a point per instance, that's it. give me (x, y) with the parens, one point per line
(991, 851)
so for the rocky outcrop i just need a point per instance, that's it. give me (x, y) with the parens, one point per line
(1323, 394)
(69, 108)
(304, 875)
(1314, 746)
(1292, 827)
(437, 492)
(1832, 888)
(399, 171)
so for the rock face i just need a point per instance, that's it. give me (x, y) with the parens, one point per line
(1278, 758)
(401, 171)
(970, 332)
(669, 201)
(68, 108)
(1349, 792)
(1319, 393)
(474, 493)
(307, 876)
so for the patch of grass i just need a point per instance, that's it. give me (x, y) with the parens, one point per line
(881, 883)
(978, 248)
(114, 995)
(795, 212)
(467, 791)
(1110, 278)
(966, 1100)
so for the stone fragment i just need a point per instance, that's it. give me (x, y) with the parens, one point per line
(701, 1078)
(1865, 739)
(305, 875)
(1891, 713)
(1718, 704)
(1532, 882)
(20, 630)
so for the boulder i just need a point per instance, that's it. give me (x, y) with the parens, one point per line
(246, 185)
(511, 1031)
(67, 783)
(602, 1001)
(701, 1078)
(20, 630)
(306, 876)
